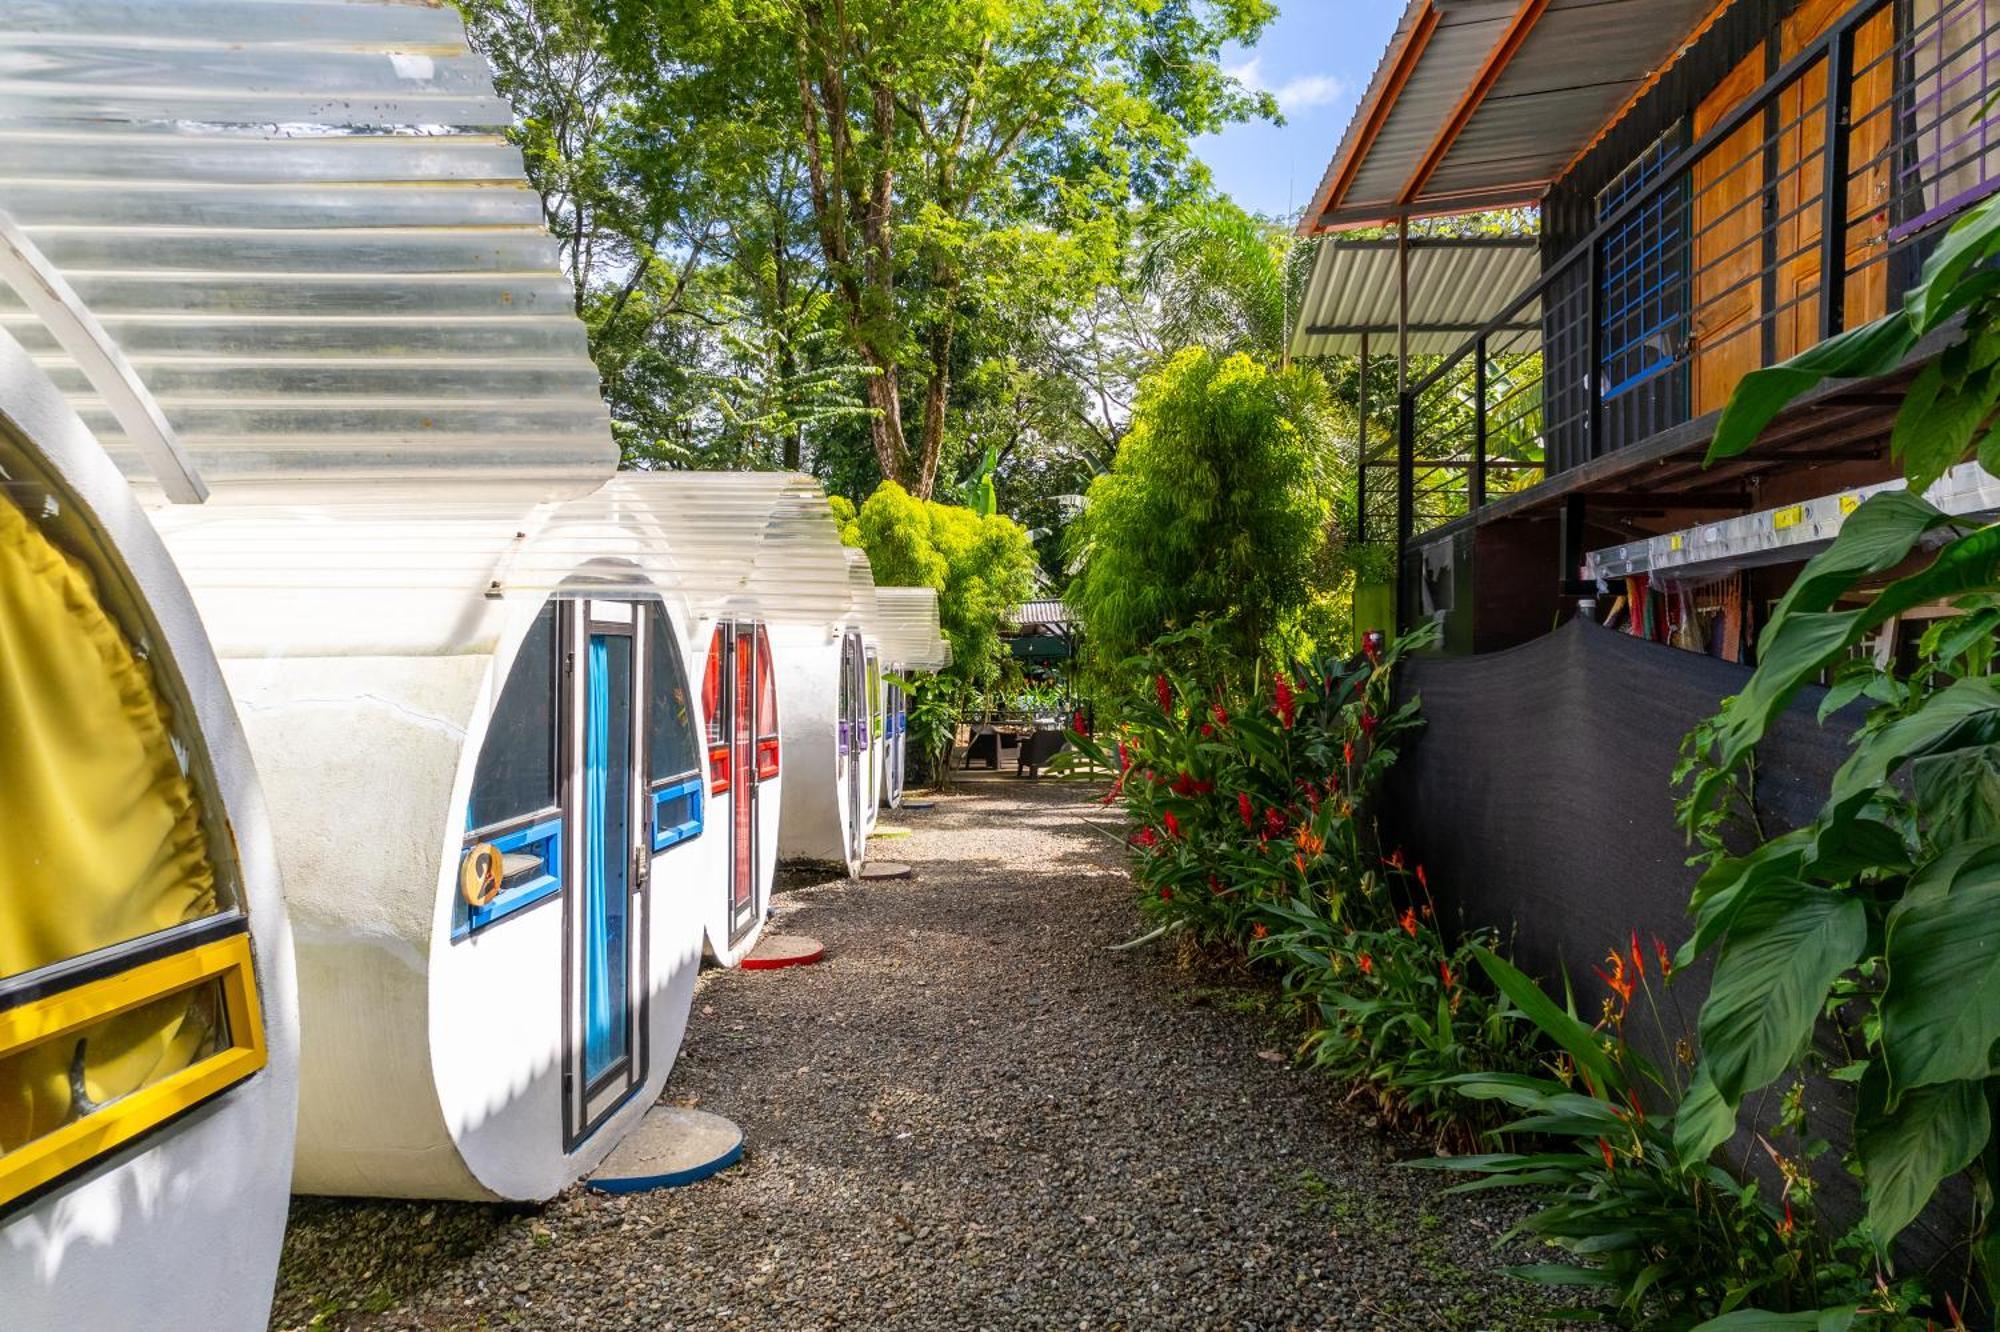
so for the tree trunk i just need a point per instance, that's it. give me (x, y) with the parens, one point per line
(885, 428)
(936, 390)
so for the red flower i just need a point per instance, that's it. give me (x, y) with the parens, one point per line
(1244, 807)
(1409, 922)
(1204, 787)
(1076, 723)
(1220, 713)
(1371, 646)
(1610, 1163)
(1666, 962)
(1173, 825)
(1422, 882)
(1394, 860)
(1368, 724)
(1165, 691)
(1183, 785)
(1274, 822)
(1147, 838)
(1347, 752)
(1258, 930)
(1285, 706)
(1367, 964)
(1124, 758)
(1450, 981)
(1207, 731)
(1214, 884)
(1166, 893)
(1638, 959)
(1786, 1227)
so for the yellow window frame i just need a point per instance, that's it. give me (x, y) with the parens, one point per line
(104, 1130)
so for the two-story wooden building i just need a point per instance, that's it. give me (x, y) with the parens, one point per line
(1699, 168)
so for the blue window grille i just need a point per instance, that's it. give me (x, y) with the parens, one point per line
(532, 855)
(1644, 302)
(677, 811)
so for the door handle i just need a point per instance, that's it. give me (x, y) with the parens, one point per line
(642, 865)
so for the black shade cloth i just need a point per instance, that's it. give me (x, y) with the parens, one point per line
(1538, 796)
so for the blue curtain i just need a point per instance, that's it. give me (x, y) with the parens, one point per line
(599, 1023)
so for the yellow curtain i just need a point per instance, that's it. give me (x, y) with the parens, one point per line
(103, 837)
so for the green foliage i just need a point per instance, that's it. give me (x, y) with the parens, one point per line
(1661, 1237)
(981, 566)
(1253, 800)
(1875, 925)
(1218, 507)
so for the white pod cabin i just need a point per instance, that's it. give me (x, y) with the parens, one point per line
(466, 691)
(910, 643)
(148, 1023)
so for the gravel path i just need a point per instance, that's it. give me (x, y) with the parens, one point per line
(970, 1116)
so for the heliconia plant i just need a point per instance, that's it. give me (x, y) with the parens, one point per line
(1251, 806)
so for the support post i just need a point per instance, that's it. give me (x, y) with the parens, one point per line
(1594, 385)
(1833, 193)
(1406, 424)
(1361, 453)
(1574, 544)
(1476, 499)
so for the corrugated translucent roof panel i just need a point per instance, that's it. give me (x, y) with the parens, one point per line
(301, 222)
(1572, 73)
(910, 636)
(1456, 288)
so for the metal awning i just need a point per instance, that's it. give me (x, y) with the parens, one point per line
(302, 224)
(1457, 287)
(1484, 103)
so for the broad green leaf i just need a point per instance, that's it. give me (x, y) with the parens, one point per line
(1727, 884)
(1941, 1006)
(1846, 847)
(1958, 794)
(1703, 1121)
(1964, 714)
(1970, 240)
(1802, 640)
(1783, 952)
(1931, 1135)
(1559, 1274)
(1935, 425)
(1579, 1040)
(1872, 349)
(1756, 1320)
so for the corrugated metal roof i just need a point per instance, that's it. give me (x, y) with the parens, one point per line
(1575, 71)
(302, 224)
(910, 636)
(1456, 287)
(1035, 614)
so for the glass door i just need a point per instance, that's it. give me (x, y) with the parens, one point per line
(605, 912)
(853, 735)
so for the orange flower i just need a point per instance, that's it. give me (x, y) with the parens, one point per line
(1610, 1162)
(1666, 962)
(1367, 964)
(1258, 930)
(1308, 841)
(1409, 922)
(1620, 984)
(1450, 981)
(1394, 860)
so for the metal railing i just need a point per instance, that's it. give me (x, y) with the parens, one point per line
(1708, 263)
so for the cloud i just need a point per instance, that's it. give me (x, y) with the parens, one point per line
(1294, 94)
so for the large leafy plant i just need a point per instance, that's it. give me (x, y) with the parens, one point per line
(1880, 919)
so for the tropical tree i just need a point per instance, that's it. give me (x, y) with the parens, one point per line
(1219, 507)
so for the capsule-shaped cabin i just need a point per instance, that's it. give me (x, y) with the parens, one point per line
(467, 690)
(148, 1027)
(829, 791)
(910, 644)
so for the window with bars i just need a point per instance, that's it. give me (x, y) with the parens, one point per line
(1644, 300)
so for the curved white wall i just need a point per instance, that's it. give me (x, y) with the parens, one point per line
(815, 825)
(181, 1229)
(432, 1067)
(712, 903)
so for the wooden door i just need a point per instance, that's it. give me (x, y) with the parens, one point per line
(1802, 173)
(1729, 191)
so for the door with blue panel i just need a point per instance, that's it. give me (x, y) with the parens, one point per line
(605, 898)
(853, 736)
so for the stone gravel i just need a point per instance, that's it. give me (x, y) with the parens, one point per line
(971, 1115)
